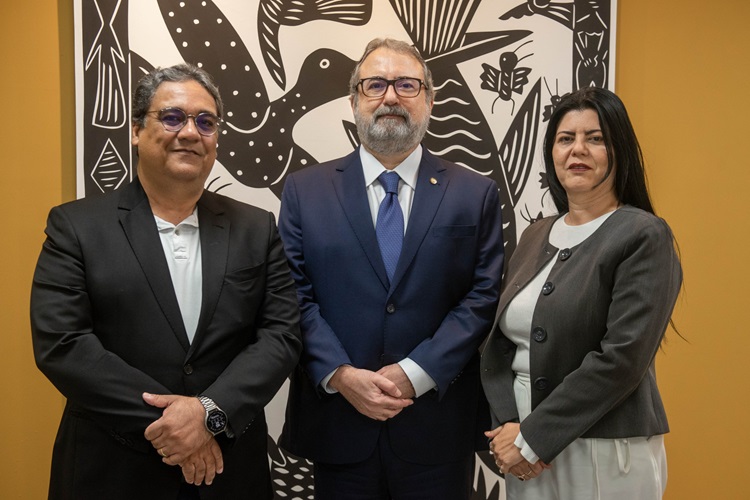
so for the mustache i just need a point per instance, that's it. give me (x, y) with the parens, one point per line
(391, 110)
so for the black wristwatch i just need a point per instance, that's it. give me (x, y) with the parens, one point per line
(216, 419)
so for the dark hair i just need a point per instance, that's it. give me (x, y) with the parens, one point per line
(623, 151)
(400, 48)
(149, 83)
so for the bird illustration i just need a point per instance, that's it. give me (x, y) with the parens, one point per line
(273, 14)
(516, 151)
(458, 129)
(256, 144)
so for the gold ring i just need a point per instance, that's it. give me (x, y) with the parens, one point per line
(161, 452)
(522, 477)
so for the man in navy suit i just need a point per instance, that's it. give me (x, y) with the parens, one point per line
(167, 317)
(386, 399)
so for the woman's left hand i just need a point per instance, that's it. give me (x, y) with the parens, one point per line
(502, 446)
(525, 470)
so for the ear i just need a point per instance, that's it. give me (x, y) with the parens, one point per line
(134, 135)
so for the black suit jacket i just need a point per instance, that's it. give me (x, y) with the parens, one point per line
(436, 311)
(107, 327)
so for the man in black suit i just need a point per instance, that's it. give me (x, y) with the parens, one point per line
(167, 317)
(386, 399)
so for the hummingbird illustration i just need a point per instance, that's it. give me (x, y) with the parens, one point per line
(256, 144)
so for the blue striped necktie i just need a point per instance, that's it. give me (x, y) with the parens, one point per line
(389, 227)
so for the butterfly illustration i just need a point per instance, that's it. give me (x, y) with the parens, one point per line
(508, 79)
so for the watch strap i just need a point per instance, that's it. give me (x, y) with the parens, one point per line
(208, 403)
(211, 407)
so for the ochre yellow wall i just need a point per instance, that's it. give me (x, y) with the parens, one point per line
(38, 172)
(683, 72)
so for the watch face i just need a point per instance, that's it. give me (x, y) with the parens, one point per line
(216, 421)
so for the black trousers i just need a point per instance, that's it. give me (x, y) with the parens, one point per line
(188, 492)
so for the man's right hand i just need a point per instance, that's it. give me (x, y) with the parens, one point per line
(204, 464)
(371, 394)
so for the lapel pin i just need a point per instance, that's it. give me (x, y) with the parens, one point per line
(433, 181)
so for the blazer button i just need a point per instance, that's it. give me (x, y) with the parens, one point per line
(548, 287)
(539, 334)
(541, 383)
(565, 253)
(188, 369)
(391, 308)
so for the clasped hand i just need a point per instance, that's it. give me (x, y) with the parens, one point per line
(181, 438)
(508, 456)
(373, 394)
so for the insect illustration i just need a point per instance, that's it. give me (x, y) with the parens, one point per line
(531, 218)
(508, 79)
(554, 100)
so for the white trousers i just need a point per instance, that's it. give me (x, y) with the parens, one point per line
(594, 469)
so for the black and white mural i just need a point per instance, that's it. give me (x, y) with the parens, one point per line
(500, 67)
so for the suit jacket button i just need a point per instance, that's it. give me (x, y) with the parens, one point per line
(565, 253)
(548, 287)
(391, 308)
(539, 334)
(541, 383)
(188, 369)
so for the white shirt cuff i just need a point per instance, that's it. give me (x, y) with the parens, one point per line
(326, 379)
(419, 378)
(526, 451)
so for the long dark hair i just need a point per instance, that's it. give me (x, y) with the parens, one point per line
(623, 151)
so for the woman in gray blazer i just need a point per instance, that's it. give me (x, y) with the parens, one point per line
(569, 366)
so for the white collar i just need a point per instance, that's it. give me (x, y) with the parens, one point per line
(407, 169)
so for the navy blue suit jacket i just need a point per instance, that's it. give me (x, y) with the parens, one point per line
(437, 310)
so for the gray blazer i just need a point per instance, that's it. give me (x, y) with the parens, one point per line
(596, 329)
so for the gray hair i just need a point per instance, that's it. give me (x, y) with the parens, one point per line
(149, 83)
(400, 48)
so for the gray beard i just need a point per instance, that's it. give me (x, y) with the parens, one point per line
(390, 136)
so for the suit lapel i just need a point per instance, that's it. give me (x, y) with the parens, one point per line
(214, 234)
(432, 182)
(349, 184)
(138, 222)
